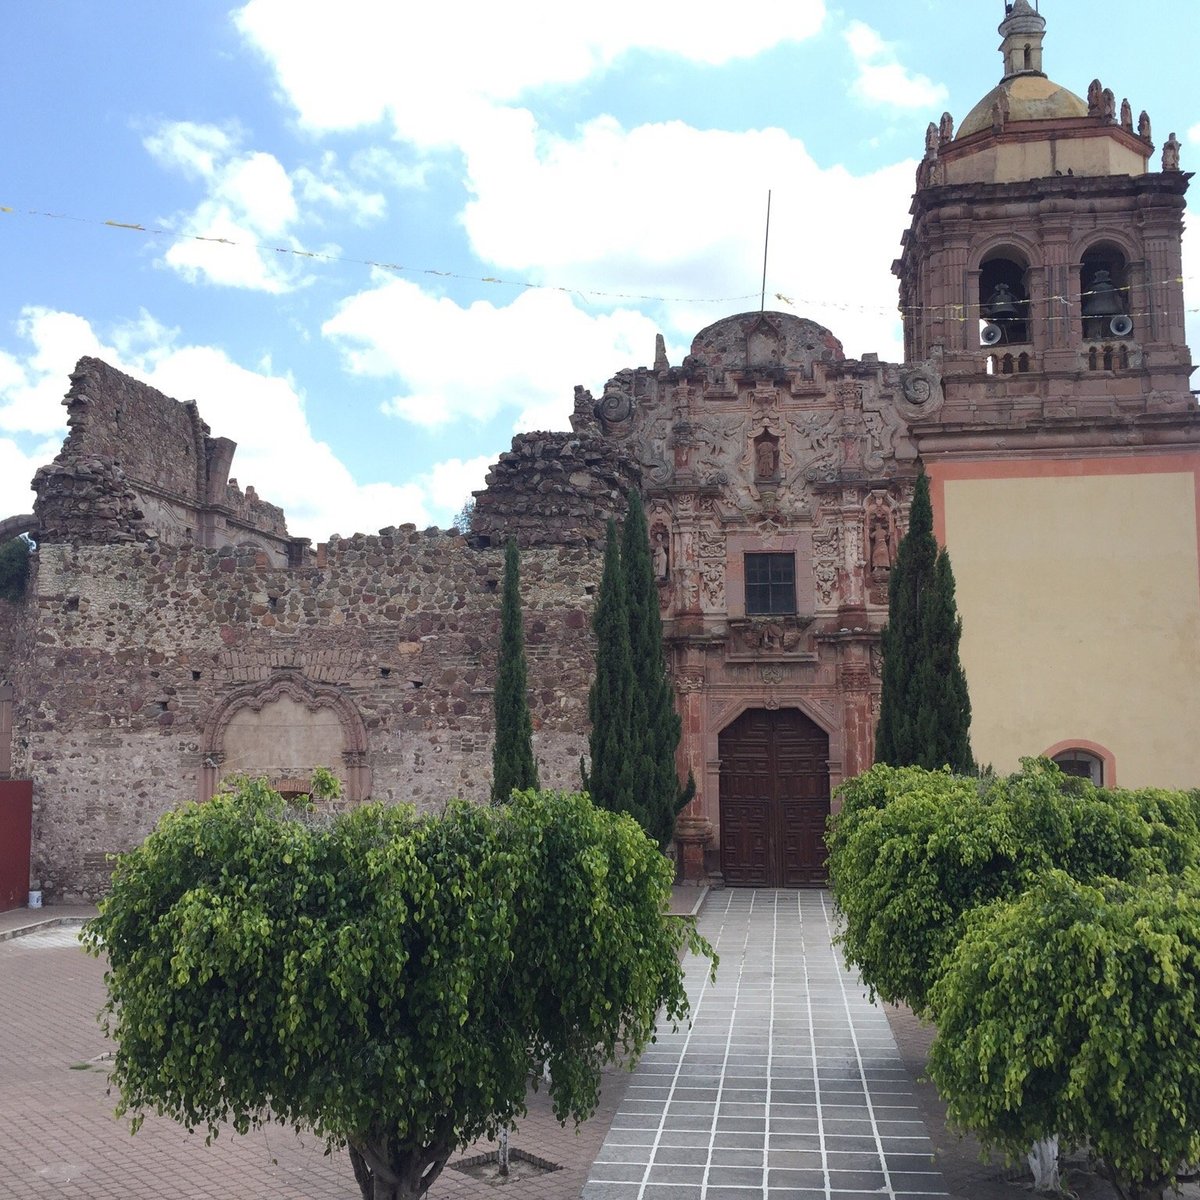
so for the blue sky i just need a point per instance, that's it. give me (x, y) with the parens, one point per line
(540, 187)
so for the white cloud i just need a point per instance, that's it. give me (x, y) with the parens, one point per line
(251, 208)
(1193, 137)
(433, 69)
(882, 79)
(32, 388)
(536, 210)
(258, 409)
(449, 484)
(454, 363)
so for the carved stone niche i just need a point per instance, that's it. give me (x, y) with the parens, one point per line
(755, 638)
(766, 457)
(882, 536)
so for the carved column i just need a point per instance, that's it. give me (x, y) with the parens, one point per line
(694, 829)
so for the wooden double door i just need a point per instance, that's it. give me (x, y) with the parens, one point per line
(774, 799)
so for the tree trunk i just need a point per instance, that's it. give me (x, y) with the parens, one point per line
(502, 1152)
(1043, 1162)
(386, 1174)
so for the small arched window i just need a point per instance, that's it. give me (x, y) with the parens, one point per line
(1028, 56)
(1082, 764)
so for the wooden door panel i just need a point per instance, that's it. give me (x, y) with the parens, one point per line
(774, 797)
(746, 843)
(804, 843)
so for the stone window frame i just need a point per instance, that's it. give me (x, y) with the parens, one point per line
(770, 590)
(796, 542)
(353, 767)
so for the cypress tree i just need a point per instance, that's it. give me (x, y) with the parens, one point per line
(513, 764)
(925, 711)
(613, 776)
(656, 726)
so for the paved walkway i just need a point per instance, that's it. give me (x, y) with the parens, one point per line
(788, 1085)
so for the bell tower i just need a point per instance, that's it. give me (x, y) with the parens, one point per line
(1042, 268)
(1040, 280)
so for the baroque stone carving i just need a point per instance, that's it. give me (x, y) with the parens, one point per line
(921, 394)
(826, 554)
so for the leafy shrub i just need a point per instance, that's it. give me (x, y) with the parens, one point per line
(387, 980)
(1075, 1010)
(913, 851)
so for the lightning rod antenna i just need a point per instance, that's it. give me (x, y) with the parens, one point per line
(766, 244)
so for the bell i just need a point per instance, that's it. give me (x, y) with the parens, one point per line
(1102, 299)
(1000, 306)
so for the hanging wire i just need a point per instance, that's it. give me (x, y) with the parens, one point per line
(950, 312)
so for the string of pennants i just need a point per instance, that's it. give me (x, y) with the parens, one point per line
(954, 312)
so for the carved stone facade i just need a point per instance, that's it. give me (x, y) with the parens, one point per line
(767, 440)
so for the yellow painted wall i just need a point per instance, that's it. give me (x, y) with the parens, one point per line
(1015, 161)
(1080, 600)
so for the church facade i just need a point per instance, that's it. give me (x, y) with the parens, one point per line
(173, 633)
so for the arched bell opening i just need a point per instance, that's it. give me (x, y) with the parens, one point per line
(1104, 298)
(1004, 301)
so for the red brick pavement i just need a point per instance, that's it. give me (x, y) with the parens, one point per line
(59, 1137)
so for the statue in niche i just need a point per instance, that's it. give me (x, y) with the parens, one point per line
(766, 457)
(660, 553)
(881, 544)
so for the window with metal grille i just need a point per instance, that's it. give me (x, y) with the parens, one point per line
(770, 584)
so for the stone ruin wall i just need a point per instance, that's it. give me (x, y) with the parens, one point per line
(554, 489)
(137, 464)
(155, 439)
(138, 645)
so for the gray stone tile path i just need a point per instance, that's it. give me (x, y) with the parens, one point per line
(788, 1085)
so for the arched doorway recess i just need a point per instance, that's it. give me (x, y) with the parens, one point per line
(774, 794)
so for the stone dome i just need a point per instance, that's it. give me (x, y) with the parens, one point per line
(1030, 98)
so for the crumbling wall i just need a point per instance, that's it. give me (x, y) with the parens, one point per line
(139, 646)
(138, 465)
(554, 489)
(155, 440)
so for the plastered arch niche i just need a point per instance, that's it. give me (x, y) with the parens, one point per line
(282, 730)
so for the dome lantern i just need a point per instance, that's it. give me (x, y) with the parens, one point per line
(1023, 30)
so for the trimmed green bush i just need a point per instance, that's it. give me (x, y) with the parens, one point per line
(912, 852)
(387, 980)
(1075, 1009)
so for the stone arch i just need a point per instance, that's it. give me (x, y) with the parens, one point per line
(1006, 245)
(827, 718)
(773, 797)
(1105, 236)
(282, 728)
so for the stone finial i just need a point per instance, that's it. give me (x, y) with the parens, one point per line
(1170, 155)
(660, 353)
(946, 128)
(1108, 106)
(1144, 127)
(931, 140)
(1000, 111)
(1095, 98)
(1126, 116)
